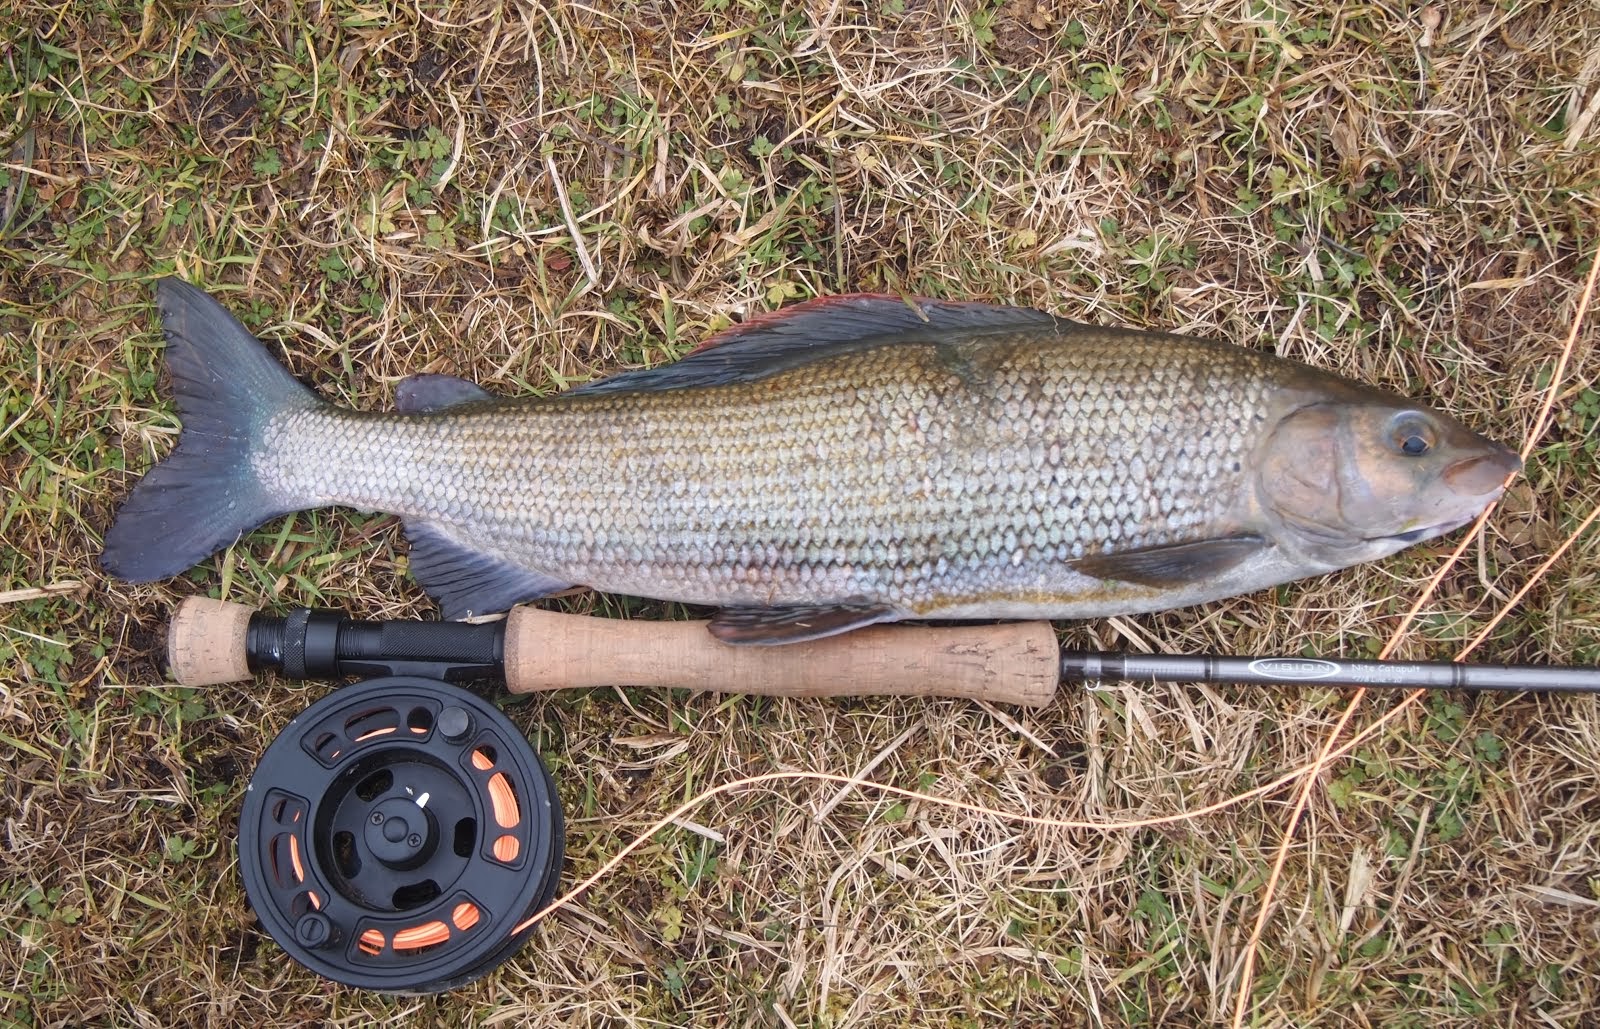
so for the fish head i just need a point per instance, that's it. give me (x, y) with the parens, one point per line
(1359, 477)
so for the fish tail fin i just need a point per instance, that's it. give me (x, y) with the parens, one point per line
(205, 494)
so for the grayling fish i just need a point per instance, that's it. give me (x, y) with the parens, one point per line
(841, 462)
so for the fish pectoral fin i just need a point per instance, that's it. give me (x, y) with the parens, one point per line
(468, 582)
(430, 391)
(1175, 564)
(768, 626)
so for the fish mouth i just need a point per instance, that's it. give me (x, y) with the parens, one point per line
(1427, 532)
(1484, 475)
(1482, 478)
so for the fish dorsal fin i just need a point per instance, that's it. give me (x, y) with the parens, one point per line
(428, 391)
(817, 329)
(468, 582)
(856, 316)
(1172, 564)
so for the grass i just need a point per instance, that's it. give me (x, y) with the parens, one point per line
(533, 196)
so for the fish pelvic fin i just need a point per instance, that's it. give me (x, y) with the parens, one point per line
(205, 494)
(772, 626)
(468, 582)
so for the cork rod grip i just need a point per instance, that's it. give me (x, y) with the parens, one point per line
(1009, 664)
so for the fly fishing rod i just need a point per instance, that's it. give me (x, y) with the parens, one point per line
(399, 831)
(531, 650)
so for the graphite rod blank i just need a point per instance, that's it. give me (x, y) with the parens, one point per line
(1087, 666)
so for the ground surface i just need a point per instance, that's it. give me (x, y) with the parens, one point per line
(1405, 194)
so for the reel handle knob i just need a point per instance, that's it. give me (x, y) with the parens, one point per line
(1016, 663)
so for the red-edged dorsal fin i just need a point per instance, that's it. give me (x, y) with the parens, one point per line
(818, 329)
(848, 304)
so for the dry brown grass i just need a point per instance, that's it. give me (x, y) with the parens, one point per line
(530, 194)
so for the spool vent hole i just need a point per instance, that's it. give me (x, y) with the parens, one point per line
(345, 858)
(419, 939)
(466, 835)
(416, 894)
(278, 857)
(371, 723)
(465, 916)
(375, 785)
(503, 798)
(372, 942)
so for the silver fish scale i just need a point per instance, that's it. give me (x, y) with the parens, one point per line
(920, 476)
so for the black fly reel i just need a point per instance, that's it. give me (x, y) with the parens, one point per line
(396, 833)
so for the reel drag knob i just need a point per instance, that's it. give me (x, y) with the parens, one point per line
(400, 833)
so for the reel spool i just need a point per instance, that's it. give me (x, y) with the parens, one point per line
(395, 833)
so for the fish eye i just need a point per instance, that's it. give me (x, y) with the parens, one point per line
(1411, 435)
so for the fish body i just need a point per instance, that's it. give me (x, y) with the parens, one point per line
(851, 460)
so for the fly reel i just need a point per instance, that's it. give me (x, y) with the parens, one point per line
(396, 833)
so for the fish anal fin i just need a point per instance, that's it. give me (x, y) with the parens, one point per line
(430, 391)
(467, 582)
(770, 626)
(1174, 564)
